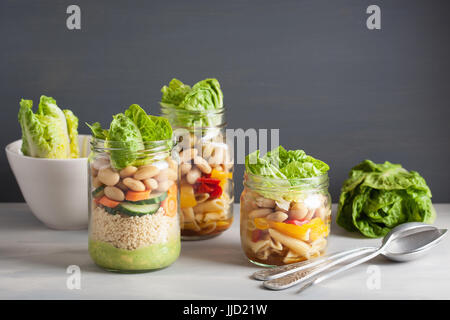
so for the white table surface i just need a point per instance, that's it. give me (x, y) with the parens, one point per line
(34, 260)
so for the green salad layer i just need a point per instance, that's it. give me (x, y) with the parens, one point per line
(197, 102)
(288, 168)
(130, 133)
(282, 164)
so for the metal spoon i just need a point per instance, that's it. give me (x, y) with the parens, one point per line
(336, 258)
(405, 242)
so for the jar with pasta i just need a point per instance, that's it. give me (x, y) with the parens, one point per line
(133, 216)
(205, 166)
(285, 207)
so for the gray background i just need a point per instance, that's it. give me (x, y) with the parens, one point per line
(311, 68)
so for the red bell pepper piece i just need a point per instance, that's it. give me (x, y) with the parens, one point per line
(208, 180)
(216, 193)
(256, 234)
(296, 222)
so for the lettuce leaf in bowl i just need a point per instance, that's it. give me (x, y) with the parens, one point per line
(50, 132)
(377, 197)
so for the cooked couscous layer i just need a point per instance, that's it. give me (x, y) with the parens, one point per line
(132, 232)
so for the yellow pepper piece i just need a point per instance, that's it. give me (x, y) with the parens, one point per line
(261, 223)
(187, 197)
(222, 176)
(316, 225)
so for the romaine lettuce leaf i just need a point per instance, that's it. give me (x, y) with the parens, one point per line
(130, 134)
(97, 131)
(377, 197)
(72, 129)
(174, 94)
(205, 95)
(47, 133)
(125, 140)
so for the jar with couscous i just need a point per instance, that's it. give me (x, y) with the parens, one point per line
(133, 217)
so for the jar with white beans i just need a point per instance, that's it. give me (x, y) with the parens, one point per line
(283, 223)
(133, 208)
(205, 171)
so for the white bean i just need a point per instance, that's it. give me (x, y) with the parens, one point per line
(151, 184)
(193, 175)
(114, 193)
(134, 184)
(146, 172)
(202, 164)
(108, 176)
(259, 213)
(277, 216)
(127, 171)
(298, 211)
(264, 202)
(164, 185)
(185, 167)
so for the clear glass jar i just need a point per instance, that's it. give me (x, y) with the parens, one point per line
(133, 217)
(281, 223)
(205, 171)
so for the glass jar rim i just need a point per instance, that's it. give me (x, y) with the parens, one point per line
(169, 111)
(216, 111)
(149, 146)
(255, 181)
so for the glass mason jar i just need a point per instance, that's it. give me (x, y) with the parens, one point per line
(281, 223)
(133, 217)
(205, 171)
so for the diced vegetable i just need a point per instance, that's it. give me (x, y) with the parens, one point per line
(261, 223)
(316, 226)
(105, 201)
(137, 195)
(138, 210)
(170, 203)
(153, 198)
(187, 197)
(99, 192)
(256, 235)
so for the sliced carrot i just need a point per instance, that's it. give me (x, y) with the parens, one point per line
(170, 203)
(137, 195)
(107, 202)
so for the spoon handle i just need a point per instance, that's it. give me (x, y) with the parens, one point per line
(277, 272)
(311, 281)
(304, 276)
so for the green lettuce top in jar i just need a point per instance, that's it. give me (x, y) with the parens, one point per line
(285, 207)
(206, 168)
(133, 218)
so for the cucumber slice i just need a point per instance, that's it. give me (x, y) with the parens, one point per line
(112, 211)
(98, 192)
(132, 209)
(154, 198)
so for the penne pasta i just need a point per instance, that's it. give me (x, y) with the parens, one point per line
(295, 245)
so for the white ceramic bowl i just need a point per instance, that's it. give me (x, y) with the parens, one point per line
(56, 190)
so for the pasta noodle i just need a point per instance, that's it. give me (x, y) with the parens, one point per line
(210, 206)
(202, 197)
(296, 245)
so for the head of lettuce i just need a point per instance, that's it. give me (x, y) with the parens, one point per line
(50, 132)
(377, 197)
